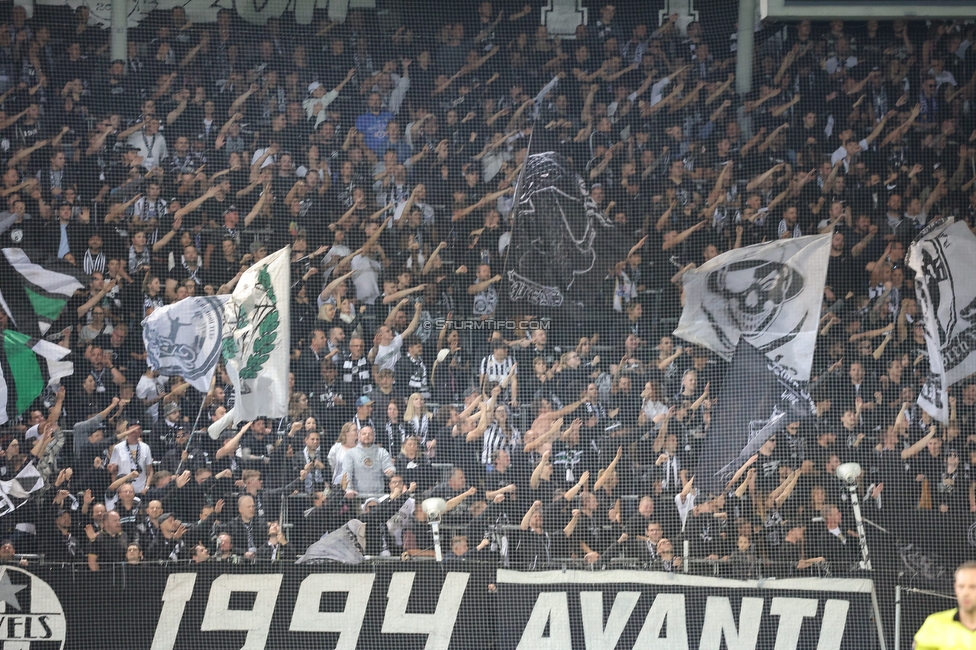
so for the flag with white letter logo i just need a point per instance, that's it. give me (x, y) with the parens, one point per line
(768, 295)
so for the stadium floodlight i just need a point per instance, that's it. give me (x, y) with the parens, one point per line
(434, 508)
(849, 473)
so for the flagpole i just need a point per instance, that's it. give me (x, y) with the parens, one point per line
(518, 185)
(193, 431)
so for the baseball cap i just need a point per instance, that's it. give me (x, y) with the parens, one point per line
(363, 401)
(312, 87)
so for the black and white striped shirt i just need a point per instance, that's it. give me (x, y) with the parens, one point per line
(494, 371)
(495, 439)
(419, 426)
(93, 263)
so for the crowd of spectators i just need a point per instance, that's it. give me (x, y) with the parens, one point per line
(385, 156)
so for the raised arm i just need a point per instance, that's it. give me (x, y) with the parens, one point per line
(683, 235)
(400, 295)
(459, 499)
(920, 445)
(901, 130)
(524, 525)
(605, 476)
(536, 479)
(418, 307)
(256, 210)
(243, 97)
(230, 447)
(547, 436)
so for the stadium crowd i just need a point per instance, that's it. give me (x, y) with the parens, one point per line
(385, 156)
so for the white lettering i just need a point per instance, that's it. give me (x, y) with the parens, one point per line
(591, 606)
(791, 612)
(438, 626)
(257, 621)
(348, 622)
(719, 621)
(834, 622)
(179, 589)
(670, 607)
(552, 608)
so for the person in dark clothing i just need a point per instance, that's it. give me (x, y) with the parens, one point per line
(838, 547)
(109, 544)
(376, 512)
(276, 548)
(173, 542)
(246, 530)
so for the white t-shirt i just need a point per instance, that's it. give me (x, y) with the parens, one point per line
(122, 455)
(149, 388)
(365, 277)
(388, 355)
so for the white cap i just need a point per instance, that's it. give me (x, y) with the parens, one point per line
(312, 87)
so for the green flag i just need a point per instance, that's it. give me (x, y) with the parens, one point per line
(33, 296)
(27, 365)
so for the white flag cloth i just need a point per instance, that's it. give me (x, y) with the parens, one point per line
(184, 339)
(768, 294)
(13, 493)
(258, 322)
(934, 398)
(944, 260)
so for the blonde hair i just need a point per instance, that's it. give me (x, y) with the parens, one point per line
(346, 428)
(409, 413)
(249, 474)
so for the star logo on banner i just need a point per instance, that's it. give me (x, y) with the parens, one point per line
(8, 591)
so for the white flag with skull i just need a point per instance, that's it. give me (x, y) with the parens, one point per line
(768, 294)
(944, 260)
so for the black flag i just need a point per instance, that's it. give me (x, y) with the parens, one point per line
(562, 246)
(757, 399)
